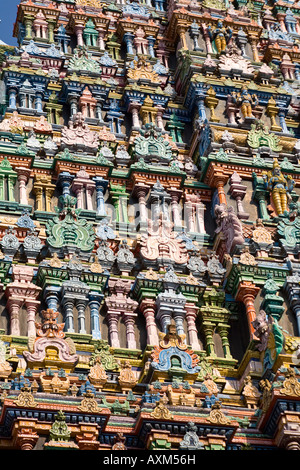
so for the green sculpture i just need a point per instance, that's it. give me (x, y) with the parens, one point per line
(59, 430)
(259, 136)
(67, 230)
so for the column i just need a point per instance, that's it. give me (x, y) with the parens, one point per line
(191, 316)
(31, 306)
(81, 305)
(68, 305)
(129, 320)
(51, 27)
(13, 306)
(200, 103)
(141, 191)
(159, 117)
(89, 189)
(207, 39)
(209, 331)
(101, 42)
(48, 199)
(113, 320)
(190, 212)
(148, 309)
(281, 115)
(181, 32)
(223, 332)
(95, 300)
(101, 186)
(79, 34)
(78, 189)
(24, 432)
(128, 38)
(73, 100)
(11, 181)
(178, 316)
(28, 27)
(175, 198)
(200, 217)
(253, 42)
(51, 296)
(64, 180)
(260, 196)
(151, 42)
(12, 97)
(23, 176)
(39, 102)
(134, 109)
(247, 291)
(219, 182)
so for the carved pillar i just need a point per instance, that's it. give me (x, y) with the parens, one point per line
(23, 175)
(208, 329)
(81, 306)
(247, 293)
(175, 198)
(113, 320)
(25, 435)
(101, 186)
(148, 308)
(129, 320)
(181, 32)
(238, 192)
(51, 296)
(95, 300)
(68, 306)
(32, 307)
(141, 191)
(191, 315)
(79, 34)
(219, 182)
(253, 42)
(223, 332)
(13, 306)
(134, 108)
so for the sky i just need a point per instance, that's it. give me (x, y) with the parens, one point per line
(8, 14)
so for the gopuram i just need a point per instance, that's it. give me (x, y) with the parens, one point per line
(150, 226)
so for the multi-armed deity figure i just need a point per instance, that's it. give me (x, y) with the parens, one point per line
(245, 101)
(220, 36)
(280, 187)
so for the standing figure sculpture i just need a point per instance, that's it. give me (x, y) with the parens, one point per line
(220, 36)
(245, 101)
(229, 224)
(280, 187)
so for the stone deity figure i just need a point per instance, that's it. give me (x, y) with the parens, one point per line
(229, 224)
(280, 187)
(220, 36)
(245, 101)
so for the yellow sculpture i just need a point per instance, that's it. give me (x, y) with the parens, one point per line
(246, 101)
(280, 187)
(220, 36)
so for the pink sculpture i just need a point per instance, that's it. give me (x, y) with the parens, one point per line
(79, 136)
(50, 336)
(161, 244)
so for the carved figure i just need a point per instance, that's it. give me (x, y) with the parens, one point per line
(245, 101)
(220, 36)
(229, 224)
(280, 187)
